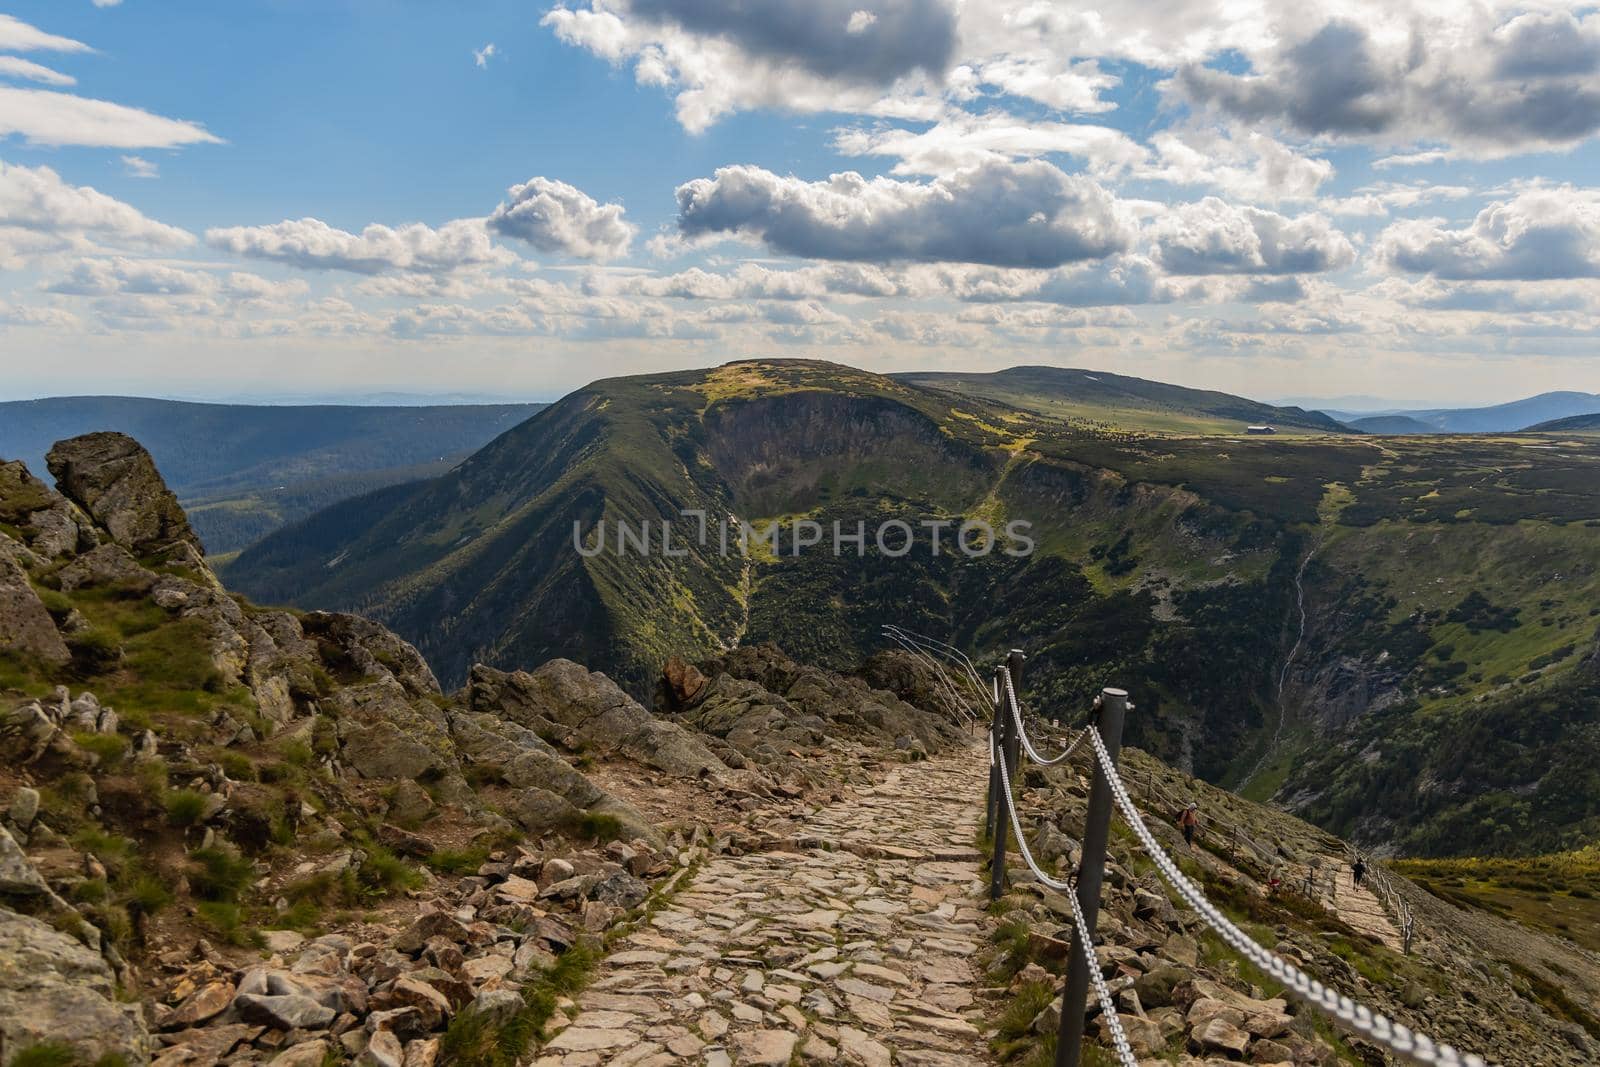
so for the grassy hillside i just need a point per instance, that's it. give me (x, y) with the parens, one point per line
(244, 470)
(1439, 577)
(1576, 424)
(1100, 399)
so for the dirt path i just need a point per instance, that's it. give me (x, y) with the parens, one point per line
(857, 947)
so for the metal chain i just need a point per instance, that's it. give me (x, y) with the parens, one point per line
(1022, 732)
(1016, 824)
(1418, 1047)
(1108, 1007)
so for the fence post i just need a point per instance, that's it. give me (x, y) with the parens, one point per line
(1013, 747)
(989, 811)
(1091, 871)
(1002, 813)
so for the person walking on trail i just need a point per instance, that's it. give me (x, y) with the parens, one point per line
(1189, 822)
(1359, 871)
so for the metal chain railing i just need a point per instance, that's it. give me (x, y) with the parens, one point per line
(1400, 1039)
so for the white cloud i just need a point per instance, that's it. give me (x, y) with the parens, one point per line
(17, 67)
(1241, 163)
(1005, 214)
(1213, 237)
(720, 56)
(481, 56)
(18, 36)
(40, 213)
(859, 22)
(965, 140)
(312, 244)
(1488, 82)
(1542, 233)
(48, 118)
(106, 3)
(555, 217)
(137, 167)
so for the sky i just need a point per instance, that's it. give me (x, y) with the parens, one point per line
(335, 198)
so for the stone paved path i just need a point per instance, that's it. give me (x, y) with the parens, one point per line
(1360, 908)
(857, 947)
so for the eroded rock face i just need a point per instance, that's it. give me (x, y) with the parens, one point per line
(757, 695)
(113, 478)
(25, 624)
(562, 699)
(54, 989)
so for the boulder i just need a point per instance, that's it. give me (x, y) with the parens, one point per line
(112, 477)
(25, 624)
(288, 1011)
(54, 989)
(564, 700)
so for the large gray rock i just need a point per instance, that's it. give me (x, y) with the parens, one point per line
(564, 701)
(18, 878)
(52, 989)
(113, 478)
(25, 624)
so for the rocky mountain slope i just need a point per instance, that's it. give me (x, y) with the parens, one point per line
(235, 834)
(1265, 598)
(1480, 982)
(243, 470)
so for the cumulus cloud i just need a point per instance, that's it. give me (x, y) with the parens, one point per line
(312, 244)
(43, 117)
(17, 67)
(40, 213)
(1005, 214)
(1539, 234)
(481, 56)
(966, 140)
(720, 56)
(1487, 82)
(554, 217)
(1213, 237)
(1243, 164)
(873, 43)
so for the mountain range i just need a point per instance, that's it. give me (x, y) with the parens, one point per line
(1534, 412)
(1318, 616)
(243, 470)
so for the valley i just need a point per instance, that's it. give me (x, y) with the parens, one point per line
(1454, 578)
(244, 470)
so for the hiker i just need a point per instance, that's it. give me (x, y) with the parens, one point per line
(1189, 822)
(1359, 871)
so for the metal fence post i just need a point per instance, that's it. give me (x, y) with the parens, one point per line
(994, 771)
(1002, 813)
(1091, 871)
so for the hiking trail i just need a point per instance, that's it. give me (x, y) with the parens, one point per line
(857, 944)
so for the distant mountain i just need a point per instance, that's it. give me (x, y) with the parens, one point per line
(1576, 424)
(1176, 565)
(1498, 418)
(244, 470)
(1390, 424)
(1100, 398)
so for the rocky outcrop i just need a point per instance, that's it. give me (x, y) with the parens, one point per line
(113, 478)
(584, 710)
(54, 990)
(758, 697)
(25, 623)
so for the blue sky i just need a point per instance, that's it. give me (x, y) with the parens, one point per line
(1205, 192)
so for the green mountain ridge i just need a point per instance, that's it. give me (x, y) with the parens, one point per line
(1446, 582)
(243, 470)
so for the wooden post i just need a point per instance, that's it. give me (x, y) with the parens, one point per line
(1091, 872)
